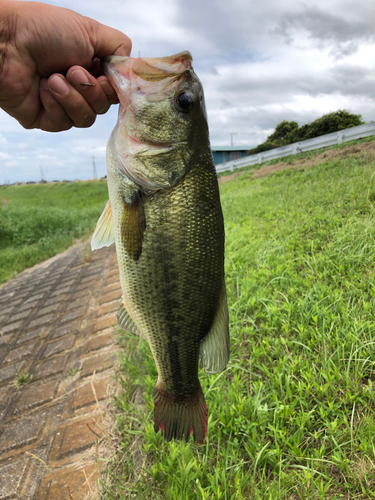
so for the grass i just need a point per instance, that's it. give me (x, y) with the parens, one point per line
(22, 379)
(39, 221)
(292, 159)
(293, 415)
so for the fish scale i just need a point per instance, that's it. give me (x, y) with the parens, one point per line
(164, 215)
(173, 225)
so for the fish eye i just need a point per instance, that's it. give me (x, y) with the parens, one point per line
(185, 100)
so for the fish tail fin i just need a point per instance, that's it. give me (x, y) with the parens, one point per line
(178, 419)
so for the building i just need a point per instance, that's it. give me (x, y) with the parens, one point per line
(222, 154)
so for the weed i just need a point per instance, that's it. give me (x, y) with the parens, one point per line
(73, 372)
(22, 379)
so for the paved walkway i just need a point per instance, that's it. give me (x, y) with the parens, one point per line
(56, 323)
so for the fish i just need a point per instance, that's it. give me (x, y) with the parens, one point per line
(165, 218)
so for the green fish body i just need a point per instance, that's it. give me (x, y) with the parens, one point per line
(164, 215)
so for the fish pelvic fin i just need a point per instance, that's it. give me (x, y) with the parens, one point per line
(104, 234)
(178, 419)
(125, 321)
(214, 347)
(133, 225)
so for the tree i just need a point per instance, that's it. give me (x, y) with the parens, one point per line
(283, 130)
(289, 132)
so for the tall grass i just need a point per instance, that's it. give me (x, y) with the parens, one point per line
(292, 417)
(39, 221)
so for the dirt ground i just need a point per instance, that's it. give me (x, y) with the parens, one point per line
(366, 148)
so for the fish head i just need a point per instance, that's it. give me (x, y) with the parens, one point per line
(162, 121)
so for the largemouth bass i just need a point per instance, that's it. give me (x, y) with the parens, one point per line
(165, 217)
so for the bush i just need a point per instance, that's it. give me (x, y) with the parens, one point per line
(332, 122)
(283, 131)
(289, 132)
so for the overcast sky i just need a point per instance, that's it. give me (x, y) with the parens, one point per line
(259, 62)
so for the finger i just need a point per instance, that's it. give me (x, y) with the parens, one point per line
(73, 102)
(108, 41)
(109, 91)
(52, 117)
(89, 88)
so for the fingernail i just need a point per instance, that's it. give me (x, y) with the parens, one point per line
(77, 77)
(58, 85)
(44, 83)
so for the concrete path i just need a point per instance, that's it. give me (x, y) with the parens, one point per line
(56, 324)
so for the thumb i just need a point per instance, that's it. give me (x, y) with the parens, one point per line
(109, 41)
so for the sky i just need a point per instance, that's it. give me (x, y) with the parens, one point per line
(259, 63)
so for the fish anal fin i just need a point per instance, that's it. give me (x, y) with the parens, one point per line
(133, 225)
(125, 321)
(214, 348)
(104, 234)
(178, 419)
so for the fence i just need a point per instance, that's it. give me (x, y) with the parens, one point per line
(349, 134)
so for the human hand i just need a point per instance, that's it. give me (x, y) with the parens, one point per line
(39, 44)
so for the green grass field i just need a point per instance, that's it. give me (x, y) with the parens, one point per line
(293, 415)
(39, 221)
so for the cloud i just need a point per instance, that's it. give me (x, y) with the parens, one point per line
(3, 139)
(254, 86)
(5, 156)
(260, 63)
(343, 36)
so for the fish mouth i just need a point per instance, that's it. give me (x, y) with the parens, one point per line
(152, 76)
(149, 68)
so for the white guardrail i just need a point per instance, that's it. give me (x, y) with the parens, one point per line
(349, 134)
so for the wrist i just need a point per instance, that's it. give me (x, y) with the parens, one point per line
(8, 21)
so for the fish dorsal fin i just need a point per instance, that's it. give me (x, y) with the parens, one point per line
(125, 321)
(133, 225)
(104, 234)
(214, 348)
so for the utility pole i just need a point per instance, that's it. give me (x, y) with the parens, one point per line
(231, 137)
(93, 163)
(41, 173)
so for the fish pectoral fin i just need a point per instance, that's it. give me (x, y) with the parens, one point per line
(104, 234)
(125, 321)
(214, 348)
(133, 225)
